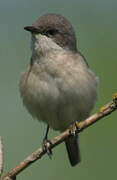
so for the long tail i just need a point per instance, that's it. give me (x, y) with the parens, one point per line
(73, 149)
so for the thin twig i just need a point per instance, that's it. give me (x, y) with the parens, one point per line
(80, 126)
(1, 156)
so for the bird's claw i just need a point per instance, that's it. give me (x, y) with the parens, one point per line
(73, 129)
(46, 147)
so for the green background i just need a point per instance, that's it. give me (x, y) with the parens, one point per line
(95, 23)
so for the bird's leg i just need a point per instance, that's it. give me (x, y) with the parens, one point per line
(47, 143)
(46, 134)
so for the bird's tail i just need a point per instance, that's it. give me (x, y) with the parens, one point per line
(73, 149)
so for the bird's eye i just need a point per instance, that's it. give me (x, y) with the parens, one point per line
(51, 32)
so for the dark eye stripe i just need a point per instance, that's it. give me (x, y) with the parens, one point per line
(51, 32)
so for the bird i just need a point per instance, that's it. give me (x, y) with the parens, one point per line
(58, 87)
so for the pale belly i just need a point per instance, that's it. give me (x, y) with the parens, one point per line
(58, 102)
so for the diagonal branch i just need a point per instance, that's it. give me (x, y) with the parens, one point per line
(80, 126)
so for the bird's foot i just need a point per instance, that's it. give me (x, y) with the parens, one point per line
(46, 147)
(73, 129)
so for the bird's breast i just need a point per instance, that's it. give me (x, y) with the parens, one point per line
(58, 95)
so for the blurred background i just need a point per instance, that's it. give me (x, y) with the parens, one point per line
(95, 23)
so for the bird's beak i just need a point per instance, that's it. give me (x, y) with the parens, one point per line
(32, 29)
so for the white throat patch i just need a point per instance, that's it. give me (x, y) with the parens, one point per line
(41, 44)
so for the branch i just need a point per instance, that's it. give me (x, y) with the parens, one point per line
(1, 156)
(79, 126)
